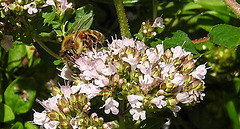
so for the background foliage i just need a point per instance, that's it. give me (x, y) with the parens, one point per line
(32, 70)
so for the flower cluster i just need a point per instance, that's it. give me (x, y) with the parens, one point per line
(32, 7)
(67, 109)
(148, 78)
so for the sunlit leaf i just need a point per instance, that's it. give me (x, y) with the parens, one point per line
(180, 38)
(49, 15)
(233, 115)
(15, 60)
(17, 125)
(225, 35)
(6, 114)
(29, 125)
(82, 14)
(216, 5)
(20, 94)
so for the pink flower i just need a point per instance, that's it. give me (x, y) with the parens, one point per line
(128, 42)
(73, 122)
(91, 90)
(5, 6)
(51, 125)
(134, 100)
(99, 65)
(64, 5)
(178, 52)
(32, 8)
(84, 63)
(140, 46)
(175, 109)
(133, 61)
(116, 46)
(159, 102)
(40, 118)
(110, 125)
(178, 79)
(183, 97)
(66, 90)
(75, 89)
(66, 73)
(111, 105)
(194, 94)
(146, 82)
(103, 54)
(152, 56)
(89, 74)
(157, 22)
(147, 69)
(50, 2)
(166, 69)
(101, 81)
(160, 49)
(110, 70)
(51, 103)
(199, 72)
(138, 113)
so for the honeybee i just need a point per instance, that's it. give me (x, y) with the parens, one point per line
(74, 43)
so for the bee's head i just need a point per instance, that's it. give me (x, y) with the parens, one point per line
(71, 48)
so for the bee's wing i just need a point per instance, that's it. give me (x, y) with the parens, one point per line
(74, 28)
(77, 27)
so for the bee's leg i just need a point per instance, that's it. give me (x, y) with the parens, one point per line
(99, 45)
(70, 55)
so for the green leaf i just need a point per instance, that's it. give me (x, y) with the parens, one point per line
(66, 15)
(225, 35)
(29, 125)
(216, 5)
(82, 14)
(236, 82)
(15, 56)
(17, 125)
(49, 14)
(55, 24)
(20, 94)
(152, 123)
(179, 38)
(6, 114)
(233, 115)
(57, 62)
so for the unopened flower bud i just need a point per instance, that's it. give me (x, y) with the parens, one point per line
(161, 92)
(64, 124)
(53, 115)
(62, 102)
(121, 81)
(66, 110)
(72, 99)
(94, 115)
(172, 102)
(144, 31)
(153, 33)
(55, 91)
(168, 53)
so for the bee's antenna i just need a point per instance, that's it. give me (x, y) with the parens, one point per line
(82, 26)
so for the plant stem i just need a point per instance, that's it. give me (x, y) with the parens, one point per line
(45, 47)
(38, 38)
(155, 5)
(235, 7)
(121, 116)
(122, 18)
(201, 40)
